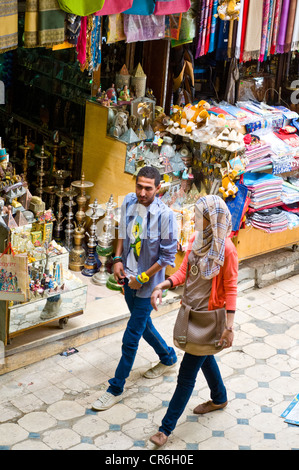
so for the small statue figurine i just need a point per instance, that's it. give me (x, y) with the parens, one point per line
(124, 94)
(111, 93)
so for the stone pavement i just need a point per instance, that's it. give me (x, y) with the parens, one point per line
(47, 405)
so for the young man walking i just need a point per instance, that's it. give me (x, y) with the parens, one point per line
(147, 243)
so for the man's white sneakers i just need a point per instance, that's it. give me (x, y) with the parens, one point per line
(106, 401)
(157, 370)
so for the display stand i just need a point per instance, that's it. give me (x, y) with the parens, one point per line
(104, 157)
(251, 242)
(60, 305)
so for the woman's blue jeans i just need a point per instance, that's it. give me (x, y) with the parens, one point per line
(189, 369)
(139, 324)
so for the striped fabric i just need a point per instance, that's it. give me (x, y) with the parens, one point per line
(210, 243)
(8, 25)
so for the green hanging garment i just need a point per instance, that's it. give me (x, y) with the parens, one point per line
(81, 7)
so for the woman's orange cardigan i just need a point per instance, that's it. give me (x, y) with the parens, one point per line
(224, 285)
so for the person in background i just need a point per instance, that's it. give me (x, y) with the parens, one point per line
(211, 285)
(147, 243)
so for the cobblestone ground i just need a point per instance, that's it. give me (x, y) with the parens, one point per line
(47, 405)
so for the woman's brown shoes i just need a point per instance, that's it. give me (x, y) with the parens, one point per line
(159, 439)
(207, 407)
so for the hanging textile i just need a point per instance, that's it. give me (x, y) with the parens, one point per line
(200, 20)
(290, 25)
(209, 26)
(277, 12)
(44, 23)
(115, 30)
(81, 7)
(295, 39)
(113, 7)
(95, 48)
(84, 42)
(282, 27)
(8, 25)
(170, 7)
(144, 27)
(239, 31)
(72, 28)
(266, 16)
(269, 29)
(203, 42)
(244, 28)
(253, 31)
(213, 26)
(141, 7)
(223, 32)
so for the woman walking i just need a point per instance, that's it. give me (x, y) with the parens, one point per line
(211, 284)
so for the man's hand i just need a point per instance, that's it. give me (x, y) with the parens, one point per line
(118, 271)
(134, 284)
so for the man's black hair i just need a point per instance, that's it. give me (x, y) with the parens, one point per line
(151, 173)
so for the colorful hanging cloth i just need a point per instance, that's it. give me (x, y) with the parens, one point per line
(141, 7)
(244, 28)
(8, 25)
(276, 20)
(269, 29)
(266, 16)
(200, 20)
(96, 40)
(295, 39)
(239, 31)
(81, 7)
(209, 26)
(113, 7)
(44, 23)
(170, 7)
(213, 26)
(282, 27)
(290, 25)
(202, 48)
(144, 27)
(253, 31)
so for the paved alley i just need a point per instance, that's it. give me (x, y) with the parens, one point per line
(47, 405)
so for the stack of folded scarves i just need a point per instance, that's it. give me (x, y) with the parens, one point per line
(258, 156)
(270, 220)
(266, 190)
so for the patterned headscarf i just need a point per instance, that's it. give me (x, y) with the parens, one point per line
(210, 243)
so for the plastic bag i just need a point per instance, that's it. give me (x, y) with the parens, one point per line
(144, 28)
(115, 30)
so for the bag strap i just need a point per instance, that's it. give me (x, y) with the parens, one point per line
(6, 250)
(182, 338)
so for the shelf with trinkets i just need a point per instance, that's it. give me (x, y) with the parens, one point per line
(52, 292)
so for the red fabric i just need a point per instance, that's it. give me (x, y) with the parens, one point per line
(81, 44)
(207, 44)
(169, 8)
(113, 7)
(244, 24)
(224, 285)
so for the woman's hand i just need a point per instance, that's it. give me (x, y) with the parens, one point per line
(156, 294)
(227, 338)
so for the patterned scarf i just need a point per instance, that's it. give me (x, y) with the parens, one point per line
(210, 243)
(9, 25)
